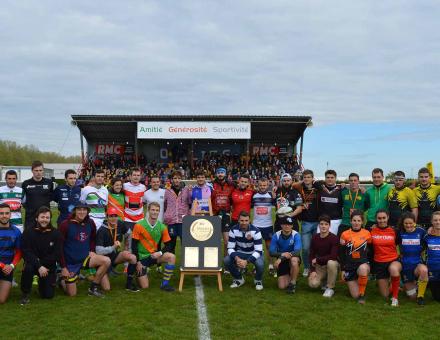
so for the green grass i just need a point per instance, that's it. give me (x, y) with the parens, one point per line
(242, 313)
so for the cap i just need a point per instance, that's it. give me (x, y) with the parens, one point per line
(285, 220)
(112, 211)
(220, 170)
(285, 176)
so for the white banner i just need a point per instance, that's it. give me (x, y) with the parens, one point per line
(194, 130)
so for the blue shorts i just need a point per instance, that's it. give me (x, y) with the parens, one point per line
(408, 273)
(434, 275)
(75, 269)
(266, 233)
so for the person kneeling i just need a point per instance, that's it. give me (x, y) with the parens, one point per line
(323, 258)
(245, 245)
(41, 248)
(147, 235)
(78, 244)
(108, 243)
(286, 247)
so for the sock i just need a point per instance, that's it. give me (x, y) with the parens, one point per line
(168, 272)
(93, 285)
(293, 282)
(362, 282)
(395, 283)
(130, 271)
(421, 288)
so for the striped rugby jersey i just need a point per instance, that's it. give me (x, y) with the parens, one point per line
(134, 207)
(247, 242)
(96, 199)
(12, 197)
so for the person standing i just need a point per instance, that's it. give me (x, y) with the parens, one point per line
(155, 194)
(67, 195)
(95, 196)
(11, 194)
(287, 197)
(241, 198)
(134, 192)
(353, 198)
(37, 192)
(426, 195)
(401, 199)
(116, 197)
(201, 196)
(376, 197)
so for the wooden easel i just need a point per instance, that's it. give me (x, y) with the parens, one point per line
(200, 272)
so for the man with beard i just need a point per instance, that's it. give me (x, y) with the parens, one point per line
(376, 197)
(11, 195)
(221, 202)
(41, 247)
(241, 198)
(286, 196)
(426, 194)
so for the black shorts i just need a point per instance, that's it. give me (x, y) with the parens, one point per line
(4, 277)
(380, 269)
(226, 222)
(350, 274)
(112, 257)
(284, 267)
(147, 262)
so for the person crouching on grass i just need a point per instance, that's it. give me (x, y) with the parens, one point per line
(147, 236)
(323, 257)
(286, 247)
(10, 251)
(108, 243)
(78, 243)
(354, 255)
(41, 247)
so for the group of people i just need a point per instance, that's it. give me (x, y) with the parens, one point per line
(389, 233)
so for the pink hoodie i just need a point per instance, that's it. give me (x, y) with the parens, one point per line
(175, 207)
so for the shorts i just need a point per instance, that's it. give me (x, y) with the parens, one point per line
(226, 222)
(4, 277)
(408, 274)
(112, 257)
(175, 230)
(434, 275)
(146, 262)
(284, 267)
(380, 269)
(76, 269)
(351, 274)
(266, 233)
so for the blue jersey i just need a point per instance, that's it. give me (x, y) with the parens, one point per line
(281, 243)
(411, 247)
(66, 197)
(432, 244)
(202, 195)
(10, 240)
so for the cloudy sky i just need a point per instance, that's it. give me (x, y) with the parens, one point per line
(366, 71)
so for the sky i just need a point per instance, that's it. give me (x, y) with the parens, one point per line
(368, 72)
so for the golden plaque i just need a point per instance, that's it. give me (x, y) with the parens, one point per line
(201, 230)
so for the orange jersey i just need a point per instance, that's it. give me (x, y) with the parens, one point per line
(355, 245)
(384, 244)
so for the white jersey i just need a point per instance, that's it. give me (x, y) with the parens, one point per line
(156, 196)
(12, 197)
(263, 208)
(134, 209)
(96, 199)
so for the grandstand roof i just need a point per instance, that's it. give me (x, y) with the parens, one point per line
(265, 128)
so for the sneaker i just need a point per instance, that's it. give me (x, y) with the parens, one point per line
(258, 285)
(329, 292)
(226, 272)
(167, 288)
(420, 301)
(394, 302)
(271, 270)
(291, 288)
(361, 299)
(95, 292)
(24, 300)
(306, 272)
(132, 288)
(237, 283)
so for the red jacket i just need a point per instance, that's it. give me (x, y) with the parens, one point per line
(241, 200)
(221, 197)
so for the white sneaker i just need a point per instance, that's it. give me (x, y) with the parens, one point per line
(237, 283)
(306, 272)
(258, 285)
(328, 293)
(394, 302)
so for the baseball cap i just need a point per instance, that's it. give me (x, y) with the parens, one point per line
(285, 176)
(112, 211)
(286, 220)
(219, 170)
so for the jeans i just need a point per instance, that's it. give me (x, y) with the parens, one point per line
(235, 271)
(307, 231)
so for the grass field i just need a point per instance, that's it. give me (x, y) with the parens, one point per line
(243, 313)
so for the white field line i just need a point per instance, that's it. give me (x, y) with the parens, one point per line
(204, 333)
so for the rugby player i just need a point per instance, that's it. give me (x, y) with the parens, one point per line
(286, 196)
(432, 245)
(401, 199)
(376, 197)
(201, 196)
(353, 198)
(155, 194)
(426, 195)
(11, 194)
(67, 195)
(95, 196)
